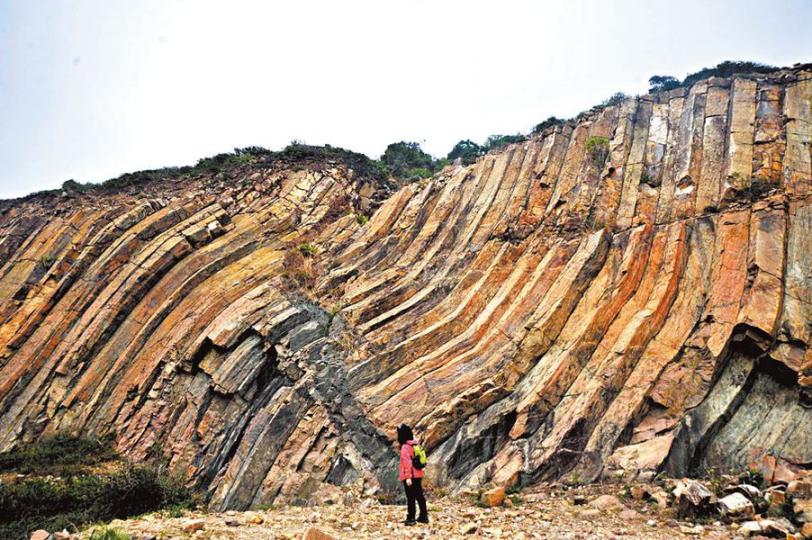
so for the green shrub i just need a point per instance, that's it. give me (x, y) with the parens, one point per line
(174, 511)
(615, 99)
(297, 153)
(495, 142)
(716, 482)
(728, 68)
(107, 533)
(758, 188)
(73, 185)
(361, 219)
(417, 173)
(298, 268)
(660, 83)
(752, 477)
(467, 150)
(308, 250)
(59, 455)
(38, 503)
(598, 149)
(405, 158)
(47, 260)
(550, 122)
(627, 492)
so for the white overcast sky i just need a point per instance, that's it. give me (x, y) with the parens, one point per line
(92, 89)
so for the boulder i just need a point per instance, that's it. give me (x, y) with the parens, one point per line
(749, 528)
(40, 534)
(778, 528)
(468, 528)
(774, 470)
(735, 506)
(751, 492)
(692, 498)
(493, 497)
(806, 530)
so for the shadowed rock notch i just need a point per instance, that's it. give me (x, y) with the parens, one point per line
(539, 314)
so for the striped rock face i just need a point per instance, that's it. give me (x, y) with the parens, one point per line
(549, 312)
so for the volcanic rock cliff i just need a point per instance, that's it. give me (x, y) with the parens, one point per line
(626, 294)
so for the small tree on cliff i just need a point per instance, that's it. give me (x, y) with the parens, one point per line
(467, 150)
(659, 83)
(551, 121)
(406, 159)
(498, 141)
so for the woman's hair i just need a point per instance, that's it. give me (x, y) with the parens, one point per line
(404, 434)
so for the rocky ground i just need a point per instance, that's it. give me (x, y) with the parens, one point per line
(599, 512)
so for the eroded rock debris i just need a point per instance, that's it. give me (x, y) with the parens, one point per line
(536, 315)
(546, 511)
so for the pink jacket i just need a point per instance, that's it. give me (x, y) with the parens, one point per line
(406, 469)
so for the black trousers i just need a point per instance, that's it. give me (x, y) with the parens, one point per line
(415, 493)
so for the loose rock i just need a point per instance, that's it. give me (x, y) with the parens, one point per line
(800, 488)
(194, 525)
(255, 519)
(639, 492)
(735, 505)
(803, 510)
(316, 534)
(607, 502)
(692, 498)
(493, 497)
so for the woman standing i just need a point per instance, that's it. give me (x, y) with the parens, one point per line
(411, 477)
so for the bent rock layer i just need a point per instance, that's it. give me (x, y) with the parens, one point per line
(543, 313)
